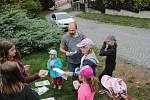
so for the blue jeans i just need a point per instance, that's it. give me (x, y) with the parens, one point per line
(72, 66)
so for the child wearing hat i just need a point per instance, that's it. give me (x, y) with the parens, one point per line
(89, 57)
(89, 84)
(116, 88)
(54, 62)
(109, 49)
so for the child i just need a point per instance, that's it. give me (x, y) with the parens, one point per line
(109, 49)
(116, 88)
(89, 84)
(8, 52)
(54, 62)
(89, 57)
(11, 84)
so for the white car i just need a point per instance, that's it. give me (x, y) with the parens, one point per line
(62, 19)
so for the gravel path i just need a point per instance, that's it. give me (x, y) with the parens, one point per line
(133, 43)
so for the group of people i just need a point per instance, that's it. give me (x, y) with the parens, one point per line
(14, 79)
(81, 61)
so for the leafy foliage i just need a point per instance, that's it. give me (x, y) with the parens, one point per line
(28, 34)
(131, 5)
(31, 5)
(141, 4)
(46, 4)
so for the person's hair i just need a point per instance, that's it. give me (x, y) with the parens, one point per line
(90, 50)
(115, 41)
(4, 48)
(18, 56)
(74, 24)
(12, 80)
(93, 83)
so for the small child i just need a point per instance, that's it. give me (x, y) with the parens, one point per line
(116, 88)
(89, 57)
(54, 62)
(89, 84)
(109, 49)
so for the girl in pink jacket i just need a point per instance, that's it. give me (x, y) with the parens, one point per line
(89, 84)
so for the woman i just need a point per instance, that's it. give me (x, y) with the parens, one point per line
(8, 52)
(11, 84)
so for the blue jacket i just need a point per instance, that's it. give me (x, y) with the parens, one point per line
(90, 60)
(57, 64)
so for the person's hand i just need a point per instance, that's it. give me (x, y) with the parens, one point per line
(26, 67)
(52, 65)
(76, 84)
(70, 53)
(104, 42)
(68, 73)
(43, 73)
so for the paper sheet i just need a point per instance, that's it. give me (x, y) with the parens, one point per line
(61, 73)
(42, 83)
(51, 98)
(41, 90)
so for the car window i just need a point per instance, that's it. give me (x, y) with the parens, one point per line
(63, 16)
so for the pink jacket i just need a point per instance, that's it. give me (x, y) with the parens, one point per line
(85, 93)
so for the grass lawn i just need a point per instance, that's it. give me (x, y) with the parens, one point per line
(119, 20)
(137, 80)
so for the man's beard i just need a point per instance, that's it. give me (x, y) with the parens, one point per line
(72, 34)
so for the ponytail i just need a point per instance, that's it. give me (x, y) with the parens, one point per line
(93, 82)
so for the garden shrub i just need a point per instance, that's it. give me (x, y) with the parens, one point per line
(46, 4)
(131, 5)
(28, 34)
(141, 5)
(33, 7)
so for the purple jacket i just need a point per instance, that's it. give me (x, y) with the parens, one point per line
(27, 79)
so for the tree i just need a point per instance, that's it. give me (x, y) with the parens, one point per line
(100, 5)
(46, 4)
(29, 34)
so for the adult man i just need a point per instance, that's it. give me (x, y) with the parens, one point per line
(68, 46)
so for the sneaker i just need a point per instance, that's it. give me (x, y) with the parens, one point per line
(54, 86)
(59, 87)
(103, 91)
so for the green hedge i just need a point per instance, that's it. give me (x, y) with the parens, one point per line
(28, 34)
(33, 7)
(131, 5)
(141, 5)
